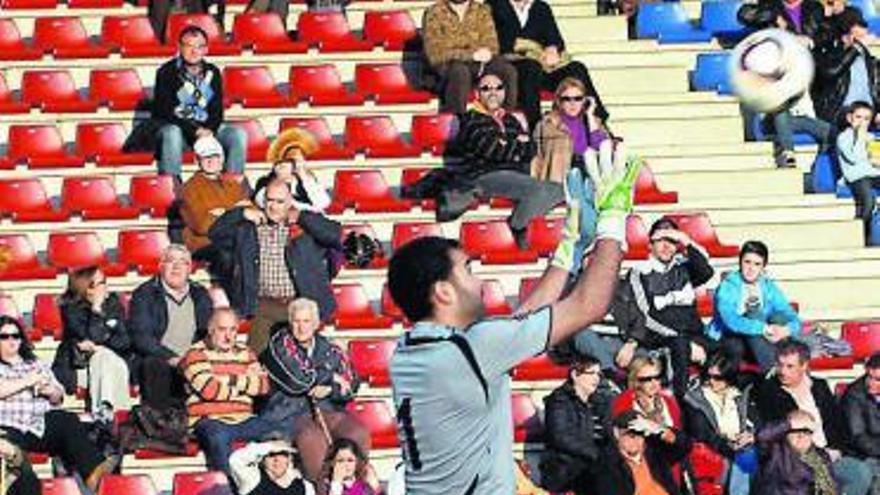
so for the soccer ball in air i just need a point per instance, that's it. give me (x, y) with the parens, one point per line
(770, 70)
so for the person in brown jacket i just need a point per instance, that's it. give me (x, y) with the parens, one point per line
(460, 43)
(206, 196)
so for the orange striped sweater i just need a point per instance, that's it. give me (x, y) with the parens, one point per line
(219, 384)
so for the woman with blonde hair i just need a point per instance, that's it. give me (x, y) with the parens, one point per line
(96, 341)
(645, 393)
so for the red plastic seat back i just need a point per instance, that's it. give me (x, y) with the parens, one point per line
(48, 86)
(375, 79)
(390, 28)
(34, 141)
(255, 28)
(486, 238)
(60, 486)
(23, 195)
(22, 255)
(257, 142)
(142, 248)
(637, 238)
(100, 138)
(204, 483)
(10, 36)
(545, 234)
(405, 232)
(316, 27)
(494, 300)
(315, 125)
(377, 417)
(370, 360)
(248, 82)
(526, 421)
(133, 31)
(47, 316)
(129, 484)
(153, 192)
(432, 131)
(116, 85)
(72, 250)
(60, 32)
(700, 229)
(864, 336)
(314, 80)
(178, 22)
(351, 301)
(353, 185)
(88, 193)
(371, 132)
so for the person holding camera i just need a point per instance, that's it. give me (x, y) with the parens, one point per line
(641, 457)
(272, 467)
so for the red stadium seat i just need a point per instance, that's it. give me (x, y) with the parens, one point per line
(253, 87)
(370, 360)
(389, 308)
(380, 261)
(539, 368)
(119, 89)
(366, 191)
(410, 177)
(205, 483)
(320, 85)
(102, 143)
(492, 243)
(47, 316)
(12, 45)
(142, 249)
(708, 468)
(217, 43)
(23, 263)
(405, 232)
(28, 4)
(526, 286)
(526, 420)
(39, 146)
(94, 4)
(637, 238)
(329, 148)
(26, 201)
(265, 33)
(257, 142)
(432, 131)
(545, 234)
(72, 250)
(66, 37)
(387, 83)
(94, 198)
(390, 29)
(353, 309)
(700, 229)
(863, 336)
(329, 31)
(647, 191)
(8, 102)
(377, 417)
(60, 486)
(53, 91)
(153, 193)
(133, 36)
(129, 484)
(494, 299)
(377, 137)
(705, 302)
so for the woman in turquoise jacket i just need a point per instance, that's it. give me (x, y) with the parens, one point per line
(751, 313)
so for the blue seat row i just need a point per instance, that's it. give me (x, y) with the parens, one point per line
(668, 22)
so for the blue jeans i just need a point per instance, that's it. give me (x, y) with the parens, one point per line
(854, 476)
(787, 125)
(172, 145)
(216, 438)
(604, 348)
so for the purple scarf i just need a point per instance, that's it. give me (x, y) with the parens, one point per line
(578, 132)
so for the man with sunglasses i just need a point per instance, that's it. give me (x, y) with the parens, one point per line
(188, 103)
(657, 308)
(496, 152)
(861, 405)
(280, 255)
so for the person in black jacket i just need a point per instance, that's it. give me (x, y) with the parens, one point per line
(799, 17)
(519, 22)
(96, 340)
(640, 457)
(168, 313)
(657, 308)
(188, 103)
(791, 387)
(496, 152)
(280, 255)
(577, 421)
(861, 406)
(720, 416)
(839, 63)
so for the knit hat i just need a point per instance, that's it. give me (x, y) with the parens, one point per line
(289, 140)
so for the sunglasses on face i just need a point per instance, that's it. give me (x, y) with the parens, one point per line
(648, 379)
(715, 376)
(570, 99)
(487, 88)
(10, 336)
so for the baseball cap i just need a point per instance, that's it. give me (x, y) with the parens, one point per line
(207, 146)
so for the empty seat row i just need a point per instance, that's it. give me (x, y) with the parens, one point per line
(56, 91)
(65, 37)
(669, 22)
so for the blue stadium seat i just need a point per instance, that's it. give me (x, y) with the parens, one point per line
(825, 173)
(668, 23)
(711, 73)
(869, 12)
(719, 18)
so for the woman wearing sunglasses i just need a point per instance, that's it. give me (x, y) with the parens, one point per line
(29, 394)
(645, 393)
(95, 340)
(719, 415)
